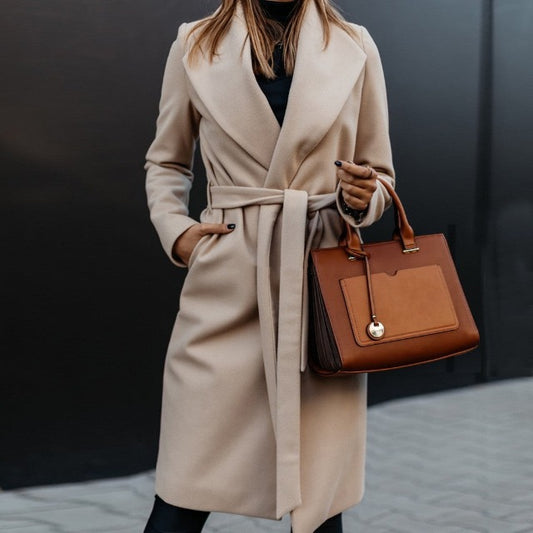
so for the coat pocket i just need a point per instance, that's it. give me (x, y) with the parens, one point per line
(196, 249)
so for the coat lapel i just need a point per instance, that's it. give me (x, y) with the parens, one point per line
(321, 83)
(229, 90)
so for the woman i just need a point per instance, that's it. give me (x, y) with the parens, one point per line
(246, 427)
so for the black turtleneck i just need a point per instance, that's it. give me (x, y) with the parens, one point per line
(280, 11)
(277, 90)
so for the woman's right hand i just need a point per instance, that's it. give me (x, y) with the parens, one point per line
(186, 242)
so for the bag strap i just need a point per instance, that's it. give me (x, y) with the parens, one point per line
(351, 241)
(402, 231)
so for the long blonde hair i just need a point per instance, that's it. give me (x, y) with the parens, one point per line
(263, 32)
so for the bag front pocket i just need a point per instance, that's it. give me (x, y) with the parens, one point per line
(409, 303)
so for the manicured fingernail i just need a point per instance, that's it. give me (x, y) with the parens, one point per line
(231, 226)
(338, 163)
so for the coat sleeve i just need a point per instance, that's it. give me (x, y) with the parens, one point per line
(169, 158)
(373, 145)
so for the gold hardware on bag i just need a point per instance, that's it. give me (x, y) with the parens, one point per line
(410, 250)
(375, 330)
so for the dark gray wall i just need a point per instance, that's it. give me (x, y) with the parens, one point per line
(508, 255)
(90, 296)
(432, 57)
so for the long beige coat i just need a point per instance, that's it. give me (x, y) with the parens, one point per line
(246, 427)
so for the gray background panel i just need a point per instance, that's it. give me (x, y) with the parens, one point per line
(90, 295)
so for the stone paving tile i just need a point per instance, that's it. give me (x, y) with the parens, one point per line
(90, 487)
(454, 461)
(14, 524)
(478, 522)
(14, 503)
(35, 528)
(400, 523)
(109, 505)
(520, 517)
(227, 523)
(492, 508)
(367, 513)
(80, 518)
(130, 503)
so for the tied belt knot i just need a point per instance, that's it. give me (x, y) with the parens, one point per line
(285, 357)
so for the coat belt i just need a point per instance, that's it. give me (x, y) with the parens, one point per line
(285, 358)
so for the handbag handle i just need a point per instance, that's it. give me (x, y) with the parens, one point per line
(352, 244)
(402, 231)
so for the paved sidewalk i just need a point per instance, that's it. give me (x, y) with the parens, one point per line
(449, 462)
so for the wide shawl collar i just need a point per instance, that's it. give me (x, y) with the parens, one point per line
(322, 81)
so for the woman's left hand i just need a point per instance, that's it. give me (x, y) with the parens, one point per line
(358, 183)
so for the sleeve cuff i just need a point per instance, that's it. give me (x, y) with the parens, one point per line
(354, 217)
(378, 203)
(357, 214)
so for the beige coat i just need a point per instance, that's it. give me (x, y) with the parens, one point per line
(246, 427)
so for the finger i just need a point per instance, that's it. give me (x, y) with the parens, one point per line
(354, 201)
(354, 190)
(355, 195)
(208, 227)
(363, 183)
(362, 171)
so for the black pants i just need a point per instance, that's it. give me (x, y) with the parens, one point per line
(166, 518)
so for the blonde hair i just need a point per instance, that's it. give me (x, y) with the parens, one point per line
(263, 32)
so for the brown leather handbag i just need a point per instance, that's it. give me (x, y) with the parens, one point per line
(386, 305)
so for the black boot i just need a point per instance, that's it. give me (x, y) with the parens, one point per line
(167, 518)
(331, 525)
